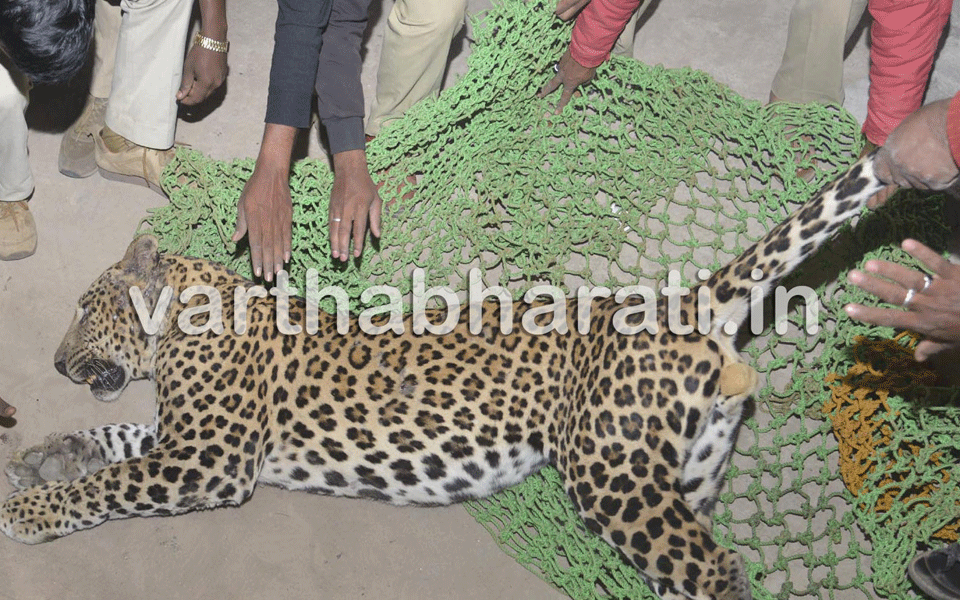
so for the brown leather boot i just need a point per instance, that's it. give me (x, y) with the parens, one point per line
(77, 147)
(120, 159)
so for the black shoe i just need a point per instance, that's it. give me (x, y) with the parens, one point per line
(937, 572)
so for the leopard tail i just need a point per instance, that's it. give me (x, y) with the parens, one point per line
(766, 263)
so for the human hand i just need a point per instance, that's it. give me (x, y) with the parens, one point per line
(354, 202)
(570, 75)
(917, 153)
(567, 9)
(6, 410)
(203, 72)
(265, 214)
(933, 309)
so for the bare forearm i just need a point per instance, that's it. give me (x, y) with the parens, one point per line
(276, 148)
(350, 163)
(213, 19)
(264, 211)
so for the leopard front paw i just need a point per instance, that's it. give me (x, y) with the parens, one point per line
(62, 457)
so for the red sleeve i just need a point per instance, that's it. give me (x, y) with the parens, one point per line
(903, 41)
(597, 29)
(953, 128)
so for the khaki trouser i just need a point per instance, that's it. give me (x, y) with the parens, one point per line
(624, 45)
(812, 65)
(106, 29)
(416, 45)
(16, 178)
(139, 65)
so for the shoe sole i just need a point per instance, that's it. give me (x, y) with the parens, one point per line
(18, 255)
(923, 579)
(134, 179)
(80, 167)
(76, 174)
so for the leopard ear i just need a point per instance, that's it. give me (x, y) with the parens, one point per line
(142, 258)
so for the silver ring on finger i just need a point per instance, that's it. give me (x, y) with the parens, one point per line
(556, 67)
(909, 298)
(927, 280)
(336, 219)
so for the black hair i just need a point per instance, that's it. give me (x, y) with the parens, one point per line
(47, 40)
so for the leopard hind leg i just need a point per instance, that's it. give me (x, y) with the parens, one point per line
(708, 459)
(637, 506)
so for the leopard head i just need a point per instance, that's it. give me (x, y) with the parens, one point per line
(108, 344)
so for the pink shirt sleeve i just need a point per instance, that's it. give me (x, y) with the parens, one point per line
(903, 41)
(953, 127)
(597, 28)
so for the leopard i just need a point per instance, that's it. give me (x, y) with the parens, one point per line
(640, 424)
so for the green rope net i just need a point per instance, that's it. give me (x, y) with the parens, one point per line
(649, 170)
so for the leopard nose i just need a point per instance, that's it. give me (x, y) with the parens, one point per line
(61, 366)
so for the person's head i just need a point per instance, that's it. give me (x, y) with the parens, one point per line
(47, 40)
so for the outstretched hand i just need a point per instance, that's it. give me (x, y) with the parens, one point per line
(570, 75)
(354, 204)
(917, 153)
(265, 214)
(932, 309)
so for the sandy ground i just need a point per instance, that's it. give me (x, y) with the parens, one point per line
(280, 544)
